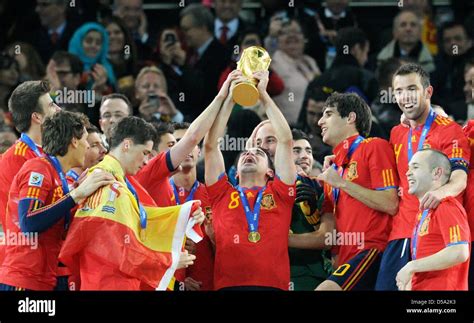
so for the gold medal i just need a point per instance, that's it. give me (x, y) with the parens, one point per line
(254, 237)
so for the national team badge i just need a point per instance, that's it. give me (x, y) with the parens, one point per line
(424, 226)
(36, 179)
(352, 171)
(268, 202)
(426, 145)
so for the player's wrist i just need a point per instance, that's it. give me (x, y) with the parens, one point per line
(75, 195)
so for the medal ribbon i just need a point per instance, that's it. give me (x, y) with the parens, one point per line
(251, 215)
(424, 133)
(191, 193)
(143, 215)
(65, 187)
(30, 143)
(352, 149)
(417, 232)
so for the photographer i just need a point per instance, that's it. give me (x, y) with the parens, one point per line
(154, 104)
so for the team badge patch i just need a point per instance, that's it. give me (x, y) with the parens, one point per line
(352, 171)
(108, 209)
(36, 179)
(268, 202)
(425, 226)
(426, 145)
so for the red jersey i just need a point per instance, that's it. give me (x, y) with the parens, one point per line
(25, 266)
(469, 194)
(10, 164)
(371, 165)
(203, 268)
(444, 135)
(239, 262)
(154, 179)
(440, 228)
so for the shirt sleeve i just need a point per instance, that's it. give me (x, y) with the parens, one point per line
(383, 170)
(452, 223)
(285, 192)
(35, 185)
(159, 168)
(219, 189)
(455, 145)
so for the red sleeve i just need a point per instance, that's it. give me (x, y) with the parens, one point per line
(454, 144)
(452, 223)
(328, 206)
(285, 192)
(469, 131)
(219, 189)
(275, 84)
(383, 170)
(34, 181)
(223, 77)
(159, 168)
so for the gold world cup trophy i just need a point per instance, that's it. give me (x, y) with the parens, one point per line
(253, 59)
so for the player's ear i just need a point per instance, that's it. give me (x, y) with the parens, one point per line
(74, 142)
(437, 173)
(126, 144)
(270, 173)
(351, 118)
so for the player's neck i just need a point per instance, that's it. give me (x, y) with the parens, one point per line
(66, 163)
(35, 134)
(422, 119)
(250, 180)
(348, 135)
(185, 178)
(117, 155)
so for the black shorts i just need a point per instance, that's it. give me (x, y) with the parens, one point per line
(360, 272)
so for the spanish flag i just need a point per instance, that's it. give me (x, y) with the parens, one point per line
(107, 228)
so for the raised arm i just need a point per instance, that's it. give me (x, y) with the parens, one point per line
(198, 129)
(284, 165)
(213, 159)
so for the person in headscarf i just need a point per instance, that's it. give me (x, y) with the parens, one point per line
(91, 44)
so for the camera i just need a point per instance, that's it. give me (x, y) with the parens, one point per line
(170, 38)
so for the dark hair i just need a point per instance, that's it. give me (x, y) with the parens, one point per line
(137, 129)
(439, 159)
(93, 129)
(349, 37)
(119, 96)
(452, 24)
(24, 101)
(386, 71)
(201, 15)
(161, 128)
(181, 125)
(35, 67)
(299, 134)
(61, 57)
(58, 130)
(127, 38)
(346, 103)
(249, 31)
(411, 68)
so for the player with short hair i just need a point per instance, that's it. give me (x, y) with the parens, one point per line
(411, 85)
(361, 190)
(40, 203)
(251, 221)
(469, 195)
(440, 240)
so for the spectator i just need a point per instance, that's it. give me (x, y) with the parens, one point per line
(448, 77)
(113, 108)
(9, 78)
(29, 61)
(251, 37)
(91, 44)
(64, 73)
(134, 17)
(384, 107)
(122, 54)
(295, 68)
(425, 10)
(171, 58)
(56, 30)
(311, 112)
(227, 24)
(347, 73)
(7, 138)
(151, 92)
(206, 62)
(406, 41)
(463, 110)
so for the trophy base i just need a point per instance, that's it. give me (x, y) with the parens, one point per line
(245, 94)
